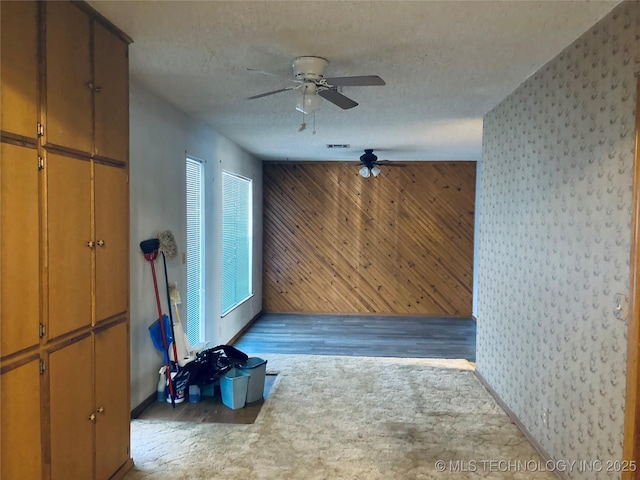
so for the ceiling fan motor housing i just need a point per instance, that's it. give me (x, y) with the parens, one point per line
(309, 68)
(368, 158)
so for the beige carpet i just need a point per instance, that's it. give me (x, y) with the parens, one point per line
(347, 418)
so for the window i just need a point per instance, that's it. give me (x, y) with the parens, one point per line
(237, 240)
(195, 252)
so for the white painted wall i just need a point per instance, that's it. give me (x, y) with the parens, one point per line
(161, 137)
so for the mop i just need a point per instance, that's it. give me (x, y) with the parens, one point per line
(169, 249)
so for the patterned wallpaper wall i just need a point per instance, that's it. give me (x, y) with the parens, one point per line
(554, 242)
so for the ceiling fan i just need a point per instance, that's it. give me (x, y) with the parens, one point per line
(370, 164)
(309, 76)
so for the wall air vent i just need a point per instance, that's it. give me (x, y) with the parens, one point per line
(337, 145)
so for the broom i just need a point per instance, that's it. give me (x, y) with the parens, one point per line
(150, 250)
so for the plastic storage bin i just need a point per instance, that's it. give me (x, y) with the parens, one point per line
(233, 388)
(194, 394)
(208, 390)
(256, 367)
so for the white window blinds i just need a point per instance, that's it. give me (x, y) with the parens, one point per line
(237, 239)
(195, 252)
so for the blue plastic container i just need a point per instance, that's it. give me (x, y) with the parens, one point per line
(256, 367)
(208, 390)
(194, 394)
(233, 388)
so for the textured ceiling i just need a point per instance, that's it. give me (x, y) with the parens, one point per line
(445, 64)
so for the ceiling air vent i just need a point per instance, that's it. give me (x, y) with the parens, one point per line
(337, 145)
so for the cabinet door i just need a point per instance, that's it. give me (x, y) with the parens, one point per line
(112, 400)
(111, 67)
(112, 241)
(68, 94)
(69, 230)
(19, 68)
(19, 248)
(20, 436)
(71, 406)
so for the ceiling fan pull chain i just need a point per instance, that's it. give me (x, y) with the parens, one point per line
(303, 125)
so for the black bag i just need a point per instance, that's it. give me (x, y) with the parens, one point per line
(212, 363)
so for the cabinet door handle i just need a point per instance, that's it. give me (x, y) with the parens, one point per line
(90, 85)
(101, 410)
(101, 243)
(97, 89)
(90, 244)
(92, 417)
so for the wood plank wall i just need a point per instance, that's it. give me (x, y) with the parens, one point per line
(401, 243)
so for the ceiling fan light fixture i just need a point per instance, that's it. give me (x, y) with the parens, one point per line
(375, 171)
(365, 172)
(308, 103)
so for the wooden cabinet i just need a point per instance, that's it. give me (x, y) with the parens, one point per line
(111, 67)
(99, 440)
(87, 71)
(19, 68)
(19, 249)
(68, 105)
(111, 191)
(81, 232)
(71, 410)
(21, 439)
(69, 243)
(64, 244)
(112, 406)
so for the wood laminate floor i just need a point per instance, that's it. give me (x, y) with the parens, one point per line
(353, 335)
(208, 410)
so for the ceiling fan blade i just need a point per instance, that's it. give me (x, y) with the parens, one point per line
(337, 99)
(362, 81)
(389, 163)
(271, 93)
(263, 72)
